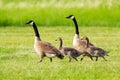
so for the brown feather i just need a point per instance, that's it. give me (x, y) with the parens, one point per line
(70, 52)
(44, 48)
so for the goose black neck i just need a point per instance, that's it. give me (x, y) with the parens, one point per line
(76, 26)
(61, 42)
(36, 30)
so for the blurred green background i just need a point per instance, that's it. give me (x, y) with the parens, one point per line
(53, 12)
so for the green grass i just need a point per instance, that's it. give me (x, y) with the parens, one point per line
(53, 12)
(18, 61)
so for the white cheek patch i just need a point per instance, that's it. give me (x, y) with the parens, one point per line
(31, 23)
(72, 17)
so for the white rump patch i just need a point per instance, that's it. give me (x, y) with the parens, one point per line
(50, 55)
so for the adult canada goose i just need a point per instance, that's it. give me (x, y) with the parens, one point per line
(78, 43)
(95, 51)
(44, 48)
(68, 51)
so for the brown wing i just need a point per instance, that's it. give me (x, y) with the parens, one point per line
(73, 51)
(96, 51)
(48, 48)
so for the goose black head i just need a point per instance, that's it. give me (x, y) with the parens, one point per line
(30, 22)
(70, 17)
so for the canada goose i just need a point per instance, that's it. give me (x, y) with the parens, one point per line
(78, 43)
(44, 48)
(95, 51)
(68, 51)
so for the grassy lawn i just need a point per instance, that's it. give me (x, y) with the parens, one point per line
(98, 18)
(18, 61)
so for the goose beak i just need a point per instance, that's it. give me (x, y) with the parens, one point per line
(67, 17)
(27, 23)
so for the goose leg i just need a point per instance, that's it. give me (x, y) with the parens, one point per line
(69, 59)
(91, 57)
(50, 59)
(82, 57)
(41, 57)
(69, 56)
(75, 58)
(96, 58)
(104, 58)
